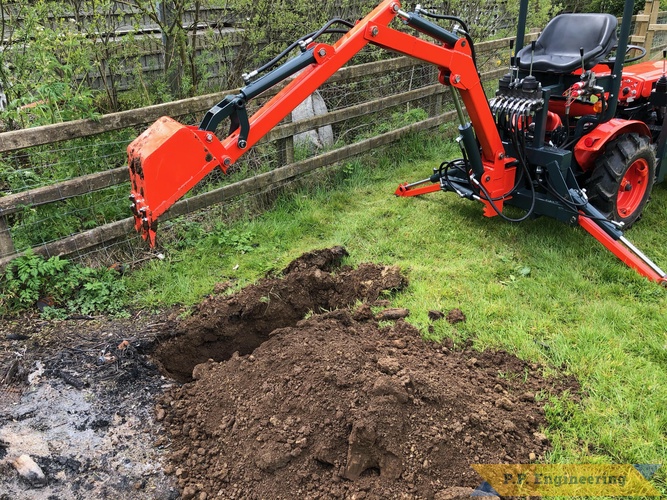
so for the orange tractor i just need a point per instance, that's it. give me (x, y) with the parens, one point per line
(569, 134)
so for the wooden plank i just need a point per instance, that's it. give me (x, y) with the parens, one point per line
(653, 20)
(81, 241)
(359, 70)
(657, 27)
(290, 129)
(287, 172)
(641, 26)
(655, 11)
(95, 237)
(48, 134)
(61, 191)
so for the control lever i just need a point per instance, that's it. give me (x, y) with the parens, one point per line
(513, 66)
(530, 83)
(508, 78)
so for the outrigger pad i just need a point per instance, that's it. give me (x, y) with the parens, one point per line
(165, 162)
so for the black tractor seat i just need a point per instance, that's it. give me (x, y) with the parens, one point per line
(557, 48)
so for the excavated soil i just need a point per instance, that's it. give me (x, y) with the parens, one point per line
(349, 402)
(224, 325)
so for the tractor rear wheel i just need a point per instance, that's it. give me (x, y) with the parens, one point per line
(622, 179)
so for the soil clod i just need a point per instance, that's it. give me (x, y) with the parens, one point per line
(455, 316)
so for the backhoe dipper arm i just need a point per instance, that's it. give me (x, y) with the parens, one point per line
(169, 159)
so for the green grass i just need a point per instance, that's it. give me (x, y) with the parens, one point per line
(540, 289)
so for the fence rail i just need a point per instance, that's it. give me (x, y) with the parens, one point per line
(646, 26)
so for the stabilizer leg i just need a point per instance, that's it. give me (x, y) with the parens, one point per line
(625, 251)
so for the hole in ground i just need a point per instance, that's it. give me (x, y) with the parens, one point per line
(223, 325)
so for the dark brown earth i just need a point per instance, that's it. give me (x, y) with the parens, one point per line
(223, 325)
(336, 406)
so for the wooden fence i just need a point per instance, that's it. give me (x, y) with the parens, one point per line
(646, 26)
(429, 95)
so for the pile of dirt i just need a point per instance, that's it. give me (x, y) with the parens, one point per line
(223, 325)
(338, 404)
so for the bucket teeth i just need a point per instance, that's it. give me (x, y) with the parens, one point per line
(143, 219)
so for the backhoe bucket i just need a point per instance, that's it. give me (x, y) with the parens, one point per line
(165, 162)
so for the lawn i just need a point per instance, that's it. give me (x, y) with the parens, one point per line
(542, 290)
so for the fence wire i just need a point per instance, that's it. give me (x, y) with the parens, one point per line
(35, 226)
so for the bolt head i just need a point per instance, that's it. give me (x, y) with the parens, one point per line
(322, 52)
(209, 137)
(242, 144)
(375, 31)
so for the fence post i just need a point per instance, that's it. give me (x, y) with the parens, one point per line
(641, 26)
(286, 151)
(6, 243)
(652, 8)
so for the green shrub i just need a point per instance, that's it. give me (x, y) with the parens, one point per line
(59, 287)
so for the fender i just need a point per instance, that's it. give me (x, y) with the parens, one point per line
(592, 145)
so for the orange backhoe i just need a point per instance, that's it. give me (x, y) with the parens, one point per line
(569, 133)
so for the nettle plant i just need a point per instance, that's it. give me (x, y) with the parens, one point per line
(60, 288)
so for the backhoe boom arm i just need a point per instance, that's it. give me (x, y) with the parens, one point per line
(169, 159)
(523, 148)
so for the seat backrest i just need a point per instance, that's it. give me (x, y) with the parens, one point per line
(557, 48)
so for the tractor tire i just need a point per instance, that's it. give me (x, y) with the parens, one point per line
(622, 179)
